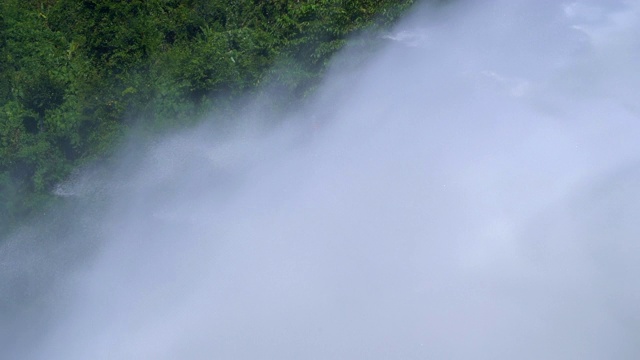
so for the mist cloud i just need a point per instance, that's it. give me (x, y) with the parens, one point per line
(469, 193)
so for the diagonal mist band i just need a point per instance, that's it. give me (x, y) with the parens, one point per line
(472, 192)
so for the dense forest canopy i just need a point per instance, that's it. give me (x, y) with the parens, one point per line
(76, 75)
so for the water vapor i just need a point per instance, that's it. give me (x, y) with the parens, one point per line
(471, 192)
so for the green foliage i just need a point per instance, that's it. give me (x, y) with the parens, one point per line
(76, 74)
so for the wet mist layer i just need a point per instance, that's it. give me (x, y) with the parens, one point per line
(471, 193)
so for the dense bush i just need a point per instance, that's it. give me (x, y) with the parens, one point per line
(74, 73)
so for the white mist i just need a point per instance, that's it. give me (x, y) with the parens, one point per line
(471, 193)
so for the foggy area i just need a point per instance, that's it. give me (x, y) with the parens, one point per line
(471, 192)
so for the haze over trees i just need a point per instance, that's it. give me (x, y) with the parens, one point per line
(76, 76)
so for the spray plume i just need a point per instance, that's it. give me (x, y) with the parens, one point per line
(470, 193)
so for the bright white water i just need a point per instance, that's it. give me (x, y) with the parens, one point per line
(472, 192)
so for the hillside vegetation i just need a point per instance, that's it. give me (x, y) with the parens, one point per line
(77, 75)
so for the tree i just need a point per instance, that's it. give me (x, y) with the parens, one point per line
(76, 75)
